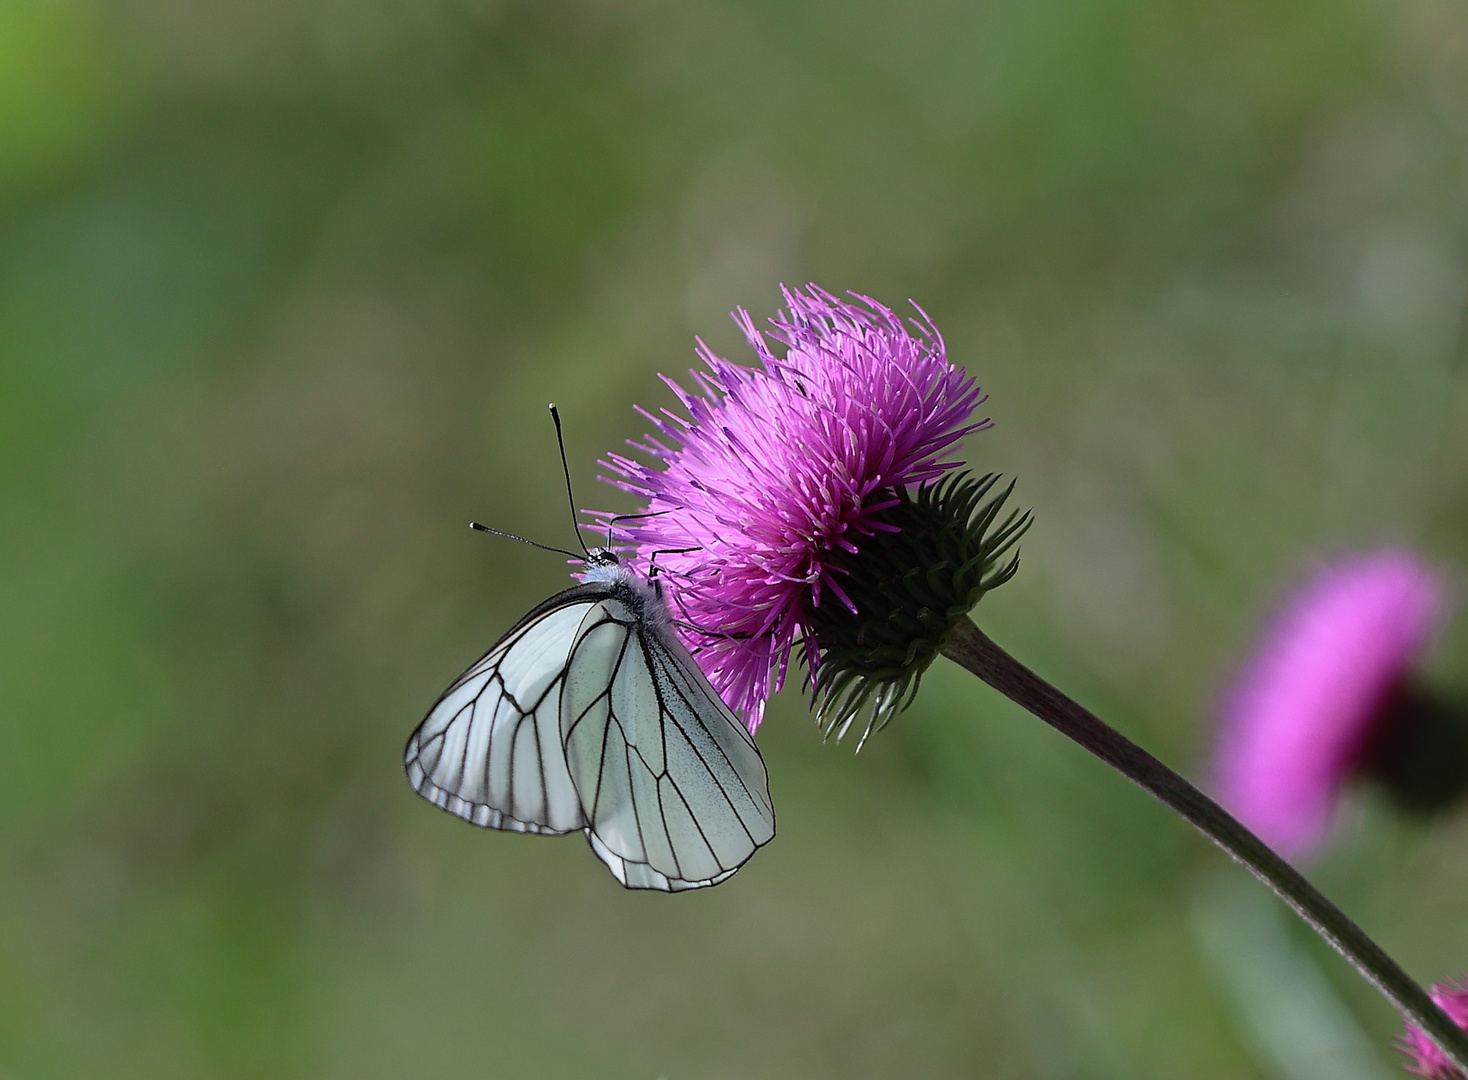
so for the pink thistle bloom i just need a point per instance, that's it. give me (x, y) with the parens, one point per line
(1427, 1059)
(777, 467)
(1311, 699)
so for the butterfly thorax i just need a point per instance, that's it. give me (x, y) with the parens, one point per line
(643, 599)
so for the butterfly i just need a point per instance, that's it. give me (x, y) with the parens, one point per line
(591, 714)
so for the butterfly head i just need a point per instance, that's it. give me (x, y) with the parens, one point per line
(602, 564)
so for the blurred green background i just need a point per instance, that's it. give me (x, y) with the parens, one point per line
(285, 286)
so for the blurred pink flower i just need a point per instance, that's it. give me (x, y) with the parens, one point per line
(1427, 1059)
(1306, 706)
(776, 467)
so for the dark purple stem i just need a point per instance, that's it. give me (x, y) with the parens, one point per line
(972, 648)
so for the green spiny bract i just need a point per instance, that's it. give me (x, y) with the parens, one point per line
(910, 588)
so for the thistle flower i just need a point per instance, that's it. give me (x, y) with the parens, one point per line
(780, 476)
(1327, 694)
(1427, 1059)
(812, 499)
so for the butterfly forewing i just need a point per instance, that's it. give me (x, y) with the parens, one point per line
(490, 749)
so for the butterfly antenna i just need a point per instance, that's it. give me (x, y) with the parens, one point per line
(511, 536)
(565, 468)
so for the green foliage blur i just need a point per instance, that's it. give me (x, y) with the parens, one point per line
(285, 286)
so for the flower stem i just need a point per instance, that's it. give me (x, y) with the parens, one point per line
(972, 648)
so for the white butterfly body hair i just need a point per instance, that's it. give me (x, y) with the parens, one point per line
(591, 714)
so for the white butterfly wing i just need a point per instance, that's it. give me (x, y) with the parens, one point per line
(674, 791)
(490, 749)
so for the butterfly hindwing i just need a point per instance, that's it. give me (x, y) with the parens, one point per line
(723, 745)
(674, 791)
(490, 749)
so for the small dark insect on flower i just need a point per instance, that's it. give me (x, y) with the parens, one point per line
(811, 500)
